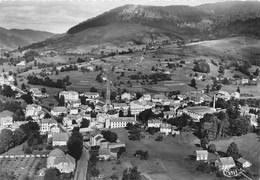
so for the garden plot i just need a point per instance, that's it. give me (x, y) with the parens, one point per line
(22, 166)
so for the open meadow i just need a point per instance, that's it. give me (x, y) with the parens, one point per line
(168, 159)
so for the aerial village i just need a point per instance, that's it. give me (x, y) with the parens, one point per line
(92, 119)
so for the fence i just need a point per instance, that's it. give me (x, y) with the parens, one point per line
(24, 156)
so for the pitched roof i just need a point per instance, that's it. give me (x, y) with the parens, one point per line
(242, 160)
(60, 137)
(104, 151)
(201, 152)
(227, 161)
(49, 121)
(56, 153)
(59, 109)
(6, 113)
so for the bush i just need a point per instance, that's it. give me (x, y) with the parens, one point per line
(49, 147)
(159, 138)
(201, 66)
(28, 150)
(114, 177)
(212, 148)
(205, 168)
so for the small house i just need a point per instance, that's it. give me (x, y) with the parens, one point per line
(60, 139)
(154, 123)
(104, 154)
(201, 155)
(224, 163)
(243, 163)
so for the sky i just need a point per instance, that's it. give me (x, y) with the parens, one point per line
(58, 16)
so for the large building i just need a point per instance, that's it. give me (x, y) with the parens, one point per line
(69, 95)
(46, 125)
(197, 112)
(58, 159)
(120, 122)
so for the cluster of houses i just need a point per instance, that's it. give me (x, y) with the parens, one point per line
(223, 163)
(6, 78)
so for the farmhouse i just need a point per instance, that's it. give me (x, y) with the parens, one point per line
(96, 138)
(243, 163)
(224, 163)
(6, 118)
(60, 139)
(201, 155)
(36, 92)
(58, 159)
(224, 95)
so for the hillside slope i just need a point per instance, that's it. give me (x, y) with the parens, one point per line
(142, 24)
(13, 38)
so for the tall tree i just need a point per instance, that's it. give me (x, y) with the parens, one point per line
(131, 174)
(193, 83)
(233, 151)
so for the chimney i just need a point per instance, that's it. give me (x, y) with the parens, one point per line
(214, 101)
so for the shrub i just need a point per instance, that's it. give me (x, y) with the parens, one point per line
(49, 147)
(159, 138)
(114, 177)
(28, 150)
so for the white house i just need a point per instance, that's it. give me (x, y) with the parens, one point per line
(69, 95)
(96, 138)
(147, 97)
(154, 123)
(58, 159)
(74, 111)
(244, 81)
(36, 92)
(46, 125)
(224, 95)
(126, 96)
(120, 122)
(90, 95)
(34, 111)
(235, 95)
(56, 111)
(244, 163)
(166, 128)
(6, 118)
(60, 139)
(169, 114)
(201, 155)
(224, 163)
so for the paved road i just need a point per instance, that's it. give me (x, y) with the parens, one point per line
(82, 166)
(59, 124)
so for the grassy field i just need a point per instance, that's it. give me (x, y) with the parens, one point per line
(248, 145)
(168, 159)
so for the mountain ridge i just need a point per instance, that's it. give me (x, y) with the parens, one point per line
(204, 22)
(13, 38)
